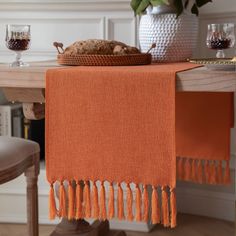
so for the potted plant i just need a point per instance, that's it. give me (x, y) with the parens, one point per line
(171, 24)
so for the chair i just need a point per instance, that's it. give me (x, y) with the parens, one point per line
(19, 156)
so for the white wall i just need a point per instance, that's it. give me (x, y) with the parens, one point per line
(219, 6)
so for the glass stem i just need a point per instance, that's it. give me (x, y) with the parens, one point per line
(18, 56)
(220, 54)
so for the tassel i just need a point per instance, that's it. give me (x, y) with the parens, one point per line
(165, 207)
(220, 172)
(95, 201)
(87, 201)
(52, 203)
(62, 201)
(111, 208)
(187, 170)
(199, 172)
(145, 204)
(193, 174)
(79, 197)
(155, 207)
(180, 169)
(207, 171)
(103, 213)
(138, 203)
(173, 208)
(71, 198)
(227, 179)
(120, 203)
(213, 173)
(129, 203)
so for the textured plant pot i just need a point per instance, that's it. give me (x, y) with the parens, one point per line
(175, 38)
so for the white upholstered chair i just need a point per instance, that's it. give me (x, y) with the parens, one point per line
(19, 156)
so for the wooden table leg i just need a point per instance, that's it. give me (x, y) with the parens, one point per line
(32, 198)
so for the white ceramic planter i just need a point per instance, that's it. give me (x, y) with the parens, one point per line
(175, 38)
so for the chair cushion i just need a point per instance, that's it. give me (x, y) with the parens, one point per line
(15, 150)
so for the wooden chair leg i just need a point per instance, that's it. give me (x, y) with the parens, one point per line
(32, 198)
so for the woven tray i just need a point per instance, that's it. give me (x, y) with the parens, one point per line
(105, 60)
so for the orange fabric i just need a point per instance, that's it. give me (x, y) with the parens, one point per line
(117, 124)
(202, 125)
(203, 121)
(107, 118)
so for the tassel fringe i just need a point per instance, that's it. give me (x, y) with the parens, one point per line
(103, 212)
(199, 178)
(87, 202)
(120, 203)
(227, 179)
(203, 171)
(52, 203)
(84, 203)
(220, 172)
(180, 167)
(193, 173)
(173, 208)
(129, 203)
(95, 209)
(165, 207)
(62, 201)
(81, 203)
(138, 204)
(155, 207)
(71, 197)
(111, 208)
(187, 170)
(145, 204)
(78, 203)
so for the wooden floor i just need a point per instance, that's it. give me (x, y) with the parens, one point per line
(188, 226)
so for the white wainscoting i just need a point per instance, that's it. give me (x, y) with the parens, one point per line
(68, 21)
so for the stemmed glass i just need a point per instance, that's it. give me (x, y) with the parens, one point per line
(18, 40)
(220, 37)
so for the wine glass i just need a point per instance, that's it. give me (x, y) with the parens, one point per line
(220, 37)
(18, 40)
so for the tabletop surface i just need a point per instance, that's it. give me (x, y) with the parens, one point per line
(199, 79)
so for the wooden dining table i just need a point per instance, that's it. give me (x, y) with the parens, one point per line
(27, 85)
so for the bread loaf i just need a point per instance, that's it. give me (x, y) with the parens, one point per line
(100, 47)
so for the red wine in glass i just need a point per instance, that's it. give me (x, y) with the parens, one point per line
(220, 37)
(18, 40)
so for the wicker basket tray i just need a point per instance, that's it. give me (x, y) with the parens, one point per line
(105, 60)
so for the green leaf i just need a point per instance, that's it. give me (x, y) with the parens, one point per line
(134, 4)
(194, 9)
(200, 3)
(159, 2)
(139, 6)
(179, 7)
(142, 6)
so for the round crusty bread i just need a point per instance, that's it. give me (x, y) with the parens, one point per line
(101, 47)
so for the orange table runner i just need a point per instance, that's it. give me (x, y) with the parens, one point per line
(203, 122)
(117, 124)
